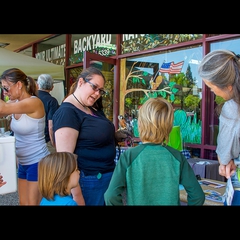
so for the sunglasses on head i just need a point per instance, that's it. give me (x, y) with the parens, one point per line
(6, 89)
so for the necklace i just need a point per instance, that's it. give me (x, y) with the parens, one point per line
(85, 107)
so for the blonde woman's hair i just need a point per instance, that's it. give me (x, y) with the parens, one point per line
(54, 172)
(155, 120)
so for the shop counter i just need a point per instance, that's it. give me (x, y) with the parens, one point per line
(221, 190)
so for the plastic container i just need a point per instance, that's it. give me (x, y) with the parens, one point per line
(8, 166)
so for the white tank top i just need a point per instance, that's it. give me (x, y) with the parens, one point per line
(30, 139)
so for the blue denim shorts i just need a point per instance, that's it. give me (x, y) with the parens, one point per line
(28, 172)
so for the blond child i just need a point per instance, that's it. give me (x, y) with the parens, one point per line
(151, 173)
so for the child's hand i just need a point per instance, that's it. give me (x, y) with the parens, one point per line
(1, 181)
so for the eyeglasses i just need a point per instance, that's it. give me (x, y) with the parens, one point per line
(95, 88)
(7, 89)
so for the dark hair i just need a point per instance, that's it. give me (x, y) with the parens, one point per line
(87, 73)
(14, 75)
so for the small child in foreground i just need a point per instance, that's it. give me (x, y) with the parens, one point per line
(57, 174)
(2, 182)
(151, 172)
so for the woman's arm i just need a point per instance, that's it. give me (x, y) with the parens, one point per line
(65, 140)
(33, 107)
(77, 195)
(50, 130)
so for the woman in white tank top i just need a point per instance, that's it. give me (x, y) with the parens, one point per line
(28, 122)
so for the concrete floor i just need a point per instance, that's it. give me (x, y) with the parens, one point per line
(9, 199)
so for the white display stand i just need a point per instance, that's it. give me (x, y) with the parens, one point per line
(8, 166)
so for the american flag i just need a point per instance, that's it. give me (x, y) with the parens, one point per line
(165, 68)
(171, 67)
(176, 68)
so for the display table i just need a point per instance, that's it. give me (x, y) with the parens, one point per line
(206, 168)
(183, 193)
(8, 165)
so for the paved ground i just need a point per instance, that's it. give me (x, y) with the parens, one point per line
(9, 199)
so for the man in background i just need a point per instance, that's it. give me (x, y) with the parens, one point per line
(45, 86)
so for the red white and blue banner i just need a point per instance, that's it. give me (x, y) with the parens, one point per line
(171, 67)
